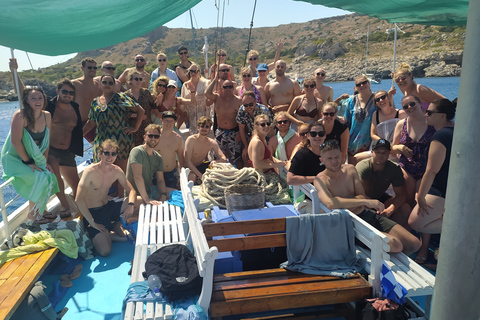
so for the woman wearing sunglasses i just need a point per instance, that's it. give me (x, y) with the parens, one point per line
(427, 216)
(358, 116)
(302, 132)
(144, 98)
(159, 87)
(404, 79)
(197, 85)
(252, 59)
(305, 108)
(335, 128)
(162, 70)
(247, 85)
(258, 151)
(306, 164)
(221, 59)
(412, 136)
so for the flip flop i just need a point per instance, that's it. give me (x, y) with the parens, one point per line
(43, 220)
(420, 260)
(49, 215)
(77, 271)
(65, 213)
(66, 283)
(60, 314)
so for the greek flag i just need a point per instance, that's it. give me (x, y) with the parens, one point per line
(391, 289)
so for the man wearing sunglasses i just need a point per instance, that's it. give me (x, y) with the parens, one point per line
(226, 106)
(281, 91)
(85, 91)
(144, 163)
(182, 68)
(108, 68)
(325, 93)
(140, 63)
(102, 216)
(286, 139)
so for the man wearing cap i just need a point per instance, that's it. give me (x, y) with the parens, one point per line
(322, 92)
(143, 163)
(140, 63)
(170, 148)
(262, 79)
(376, 175)
(108, 68)
(281, 91)
(182, 68)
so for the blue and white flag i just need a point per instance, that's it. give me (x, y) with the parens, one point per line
(391, 289)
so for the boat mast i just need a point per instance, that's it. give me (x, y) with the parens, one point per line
(366, 51)
(193, 35)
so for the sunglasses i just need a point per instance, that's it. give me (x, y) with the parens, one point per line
(182, 53)
(321, 74)
(400, 79)
(161, 85)
(330, 114)
(90, 68)
(194, 71)
(109, 68)
(227, 87)
(162, 60)
(313, 134)
(110, 83)
(33, 88)
(329, 143)
(224, 70)
(430, 112)
(252, 58)
(108, 153)
(65, 92)
(139, 60)
(246, 75)
(283, 122)
(363, 83)
(381, 98)
(153, 136)
(309, 86)
(303, 134)
(205, 126)
(263, 124)
(410, 104)
(222, 55)
(246, 105)
(138, 79)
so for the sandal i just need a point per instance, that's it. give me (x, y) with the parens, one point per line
(49, 215)
(420, 260)
(42, 220)
(65, 213)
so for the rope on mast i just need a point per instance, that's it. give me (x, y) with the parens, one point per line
(250, 34)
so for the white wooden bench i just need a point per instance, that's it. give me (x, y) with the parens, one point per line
(417, 280)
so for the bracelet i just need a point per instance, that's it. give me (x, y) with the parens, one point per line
(131, 204)
(31, 161)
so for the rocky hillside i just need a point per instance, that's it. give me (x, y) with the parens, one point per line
(337, 43)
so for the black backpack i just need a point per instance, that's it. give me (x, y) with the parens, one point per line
(177, 269)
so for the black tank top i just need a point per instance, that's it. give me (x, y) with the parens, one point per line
(38, 136)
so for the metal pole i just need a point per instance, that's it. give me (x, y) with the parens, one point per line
(456, 294)
(15, 77)
(366, 51)
(193, 35)
(394, 53)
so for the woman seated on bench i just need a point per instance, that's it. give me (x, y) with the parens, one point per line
(258, 151)
(306, 164)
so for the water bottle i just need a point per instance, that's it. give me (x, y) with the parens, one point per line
(155, 284)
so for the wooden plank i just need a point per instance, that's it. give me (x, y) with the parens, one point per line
(256, 274)
(249, 242)
(243, 227)
(22, 281)
(9, 267)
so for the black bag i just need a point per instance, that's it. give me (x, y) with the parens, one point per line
(365, 311)
(177, 269)
(35, 306)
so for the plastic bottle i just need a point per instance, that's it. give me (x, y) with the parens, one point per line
(155, 284)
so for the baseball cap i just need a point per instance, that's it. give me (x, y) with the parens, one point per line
(382, 143)
(169, 114)
(262, 67)
(172, 83)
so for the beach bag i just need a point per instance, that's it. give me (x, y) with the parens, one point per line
(365, 310)
(177, 269)
(35, 306)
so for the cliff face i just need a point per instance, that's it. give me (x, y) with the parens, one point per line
(338, 44)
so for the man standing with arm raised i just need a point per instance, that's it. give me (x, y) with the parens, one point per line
(140, 64)
(281, 91)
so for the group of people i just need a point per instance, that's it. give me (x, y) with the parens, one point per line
(273, 126)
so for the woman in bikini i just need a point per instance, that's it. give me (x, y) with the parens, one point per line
(335, 128)
(247, 85)
(305, 108)
(404, 79)
(258, 151)
(25, 154)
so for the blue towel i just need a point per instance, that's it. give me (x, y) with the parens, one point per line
(322, 244)
(391, 289)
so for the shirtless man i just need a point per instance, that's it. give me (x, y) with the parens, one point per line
(282, 145)
(226, 106)
(139, 62)
(223, 72)
(339, 187)
(101, 215)
(108, 68)
(170, 148)
(322, 92)
(182, 68)
(85, 91)
(281, 91)
(143, 163)
(197, 148)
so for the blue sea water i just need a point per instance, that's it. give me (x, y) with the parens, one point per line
(447, 86)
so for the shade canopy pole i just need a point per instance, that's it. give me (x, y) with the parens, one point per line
(457, 294)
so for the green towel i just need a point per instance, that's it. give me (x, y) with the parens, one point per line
(36, 186)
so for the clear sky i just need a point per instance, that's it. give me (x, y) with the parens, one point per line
(238, 13)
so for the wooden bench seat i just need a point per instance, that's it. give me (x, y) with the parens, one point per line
(272, 289)
(18, 276)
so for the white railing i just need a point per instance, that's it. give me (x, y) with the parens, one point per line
(3, 207)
